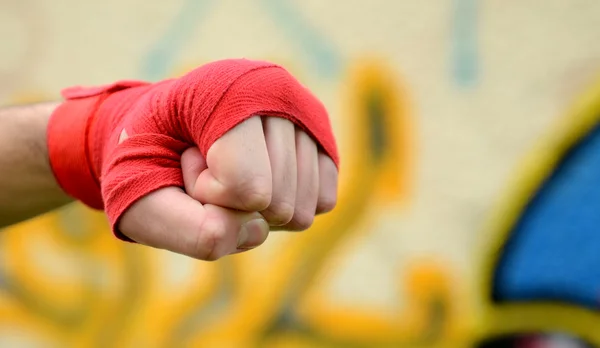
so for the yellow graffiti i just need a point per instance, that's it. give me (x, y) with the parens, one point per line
(66, 281)
(433, 314)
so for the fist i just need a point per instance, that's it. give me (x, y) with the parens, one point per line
(264, 174)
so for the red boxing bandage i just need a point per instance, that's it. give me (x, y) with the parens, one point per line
(161, 121)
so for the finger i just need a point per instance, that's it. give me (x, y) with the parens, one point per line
(192, 165)
(280, 139)
(239, 172)
(170, 219)
(307, 192)
(328, 184)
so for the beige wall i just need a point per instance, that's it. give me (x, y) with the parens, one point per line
(408, 228)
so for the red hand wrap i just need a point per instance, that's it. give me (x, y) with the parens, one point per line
(162, 120)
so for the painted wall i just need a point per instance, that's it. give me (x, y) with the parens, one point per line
(434, 106)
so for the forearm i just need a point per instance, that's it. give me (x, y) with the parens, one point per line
(27, 185)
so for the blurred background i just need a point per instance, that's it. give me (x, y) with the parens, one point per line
(468, 211)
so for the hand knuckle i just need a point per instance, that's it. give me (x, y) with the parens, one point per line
(327, 203)
(208, 240)
(280, 213)
(303, 219)
(255, 194)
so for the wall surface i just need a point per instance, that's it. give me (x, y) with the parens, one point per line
(435, 107)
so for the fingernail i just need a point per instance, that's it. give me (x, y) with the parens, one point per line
(252, 234)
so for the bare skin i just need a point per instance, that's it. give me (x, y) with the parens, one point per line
(263, 175)
(27, 186)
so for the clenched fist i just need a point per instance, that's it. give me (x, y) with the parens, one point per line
(204, 165)
(264, 172)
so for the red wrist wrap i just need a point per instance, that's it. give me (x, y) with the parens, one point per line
(162, 120)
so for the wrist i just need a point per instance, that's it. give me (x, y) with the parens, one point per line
(72, 147)
(68, 151)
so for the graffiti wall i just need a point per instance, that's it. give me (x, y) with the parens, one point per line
(467, 205)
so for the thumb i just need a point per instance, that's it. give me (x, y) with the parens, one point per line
(170, 219)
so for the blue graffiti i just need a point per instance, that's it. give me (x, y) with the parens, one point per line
(553, 252)
(161, 58)
(465, 62)
(321, 53)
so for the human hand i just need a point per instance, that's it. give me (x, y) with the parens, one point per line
(122, 148)
(263, 169)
